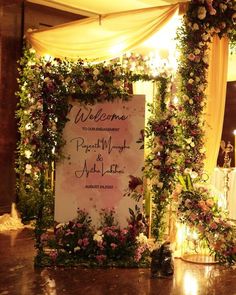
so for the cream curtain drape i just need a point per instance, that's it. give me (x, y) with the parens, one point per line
(216, 95)
(104, 37)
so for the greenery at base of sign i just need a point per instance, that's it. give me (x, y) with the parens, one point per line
(79, 242)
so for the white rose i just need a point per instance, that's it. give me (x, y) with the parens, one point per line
(76, 249)
(28, 168)
(206, 60)
(185, 97)
(195, 27)
(28, 154)
(142, 239)
(190, 81)
(205, 37)
(197, 51)
(98, 236)
(96, 72)
(201, 87)
(28, 126)
(188, 140)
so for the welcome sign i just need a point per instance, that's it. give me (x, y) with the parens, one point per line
(101, 152)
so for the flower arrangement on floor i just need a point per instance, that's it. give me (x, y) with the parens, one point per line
(79, 242)
(199, 210)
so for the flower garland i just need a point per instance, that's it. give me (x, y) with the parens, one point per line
(203, 19)
(164, 159)
(199, 210)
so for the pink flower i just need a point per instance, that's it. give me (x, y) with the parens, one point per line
(193, 216)
(213, 225)
(69, 232)
(113, 246)
(85, 242)
(101, 258)
(191, 57)
(187, 203)
(203, 206)
(53, 255)
(124, 231)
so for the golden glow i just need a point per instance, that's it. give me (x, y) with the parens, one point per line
(163, 45)
(190, 284)
(231, 75)
(234, 132)
(48, 57)
(117, 49)
(175, 100)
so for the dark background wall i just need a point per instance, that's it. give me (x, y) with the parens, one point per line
(15, 18)
(229, 122)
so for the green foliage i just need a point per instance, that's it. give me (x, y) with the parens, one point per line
(203, 19)
(164, 158)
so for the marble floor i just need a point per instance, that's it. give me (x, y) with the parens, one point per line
(19, 277)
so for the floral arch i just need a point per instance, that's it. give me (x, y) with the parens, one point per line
(45, 86)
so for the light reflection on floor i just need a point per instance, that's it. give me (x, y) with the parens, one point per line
(18, 276)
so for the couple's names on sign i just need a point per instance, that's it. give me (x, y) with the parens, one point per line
(102, 151)
(102, 145)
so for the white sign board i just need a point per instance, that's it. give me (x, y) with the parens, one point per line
(101, 152)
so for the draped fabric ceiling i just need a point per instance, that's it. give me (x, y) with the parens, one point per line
(102, 37)
(105, 36)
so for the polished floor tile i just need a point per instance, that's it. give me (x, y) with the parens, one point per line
(19, 277)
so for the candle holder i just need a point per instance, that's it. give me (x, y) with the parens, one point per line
(226, 150)
(226, 186)
(234, 147)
